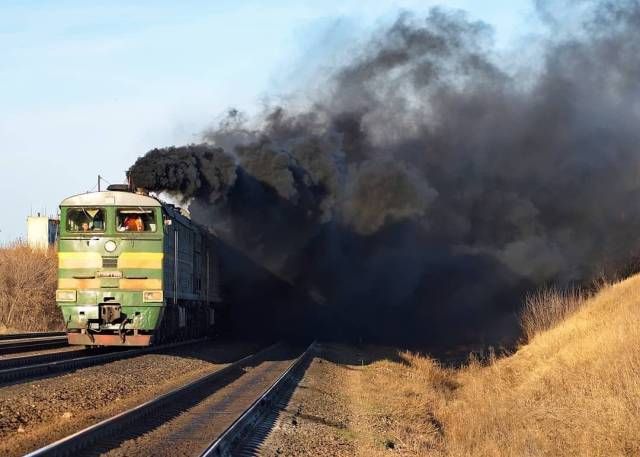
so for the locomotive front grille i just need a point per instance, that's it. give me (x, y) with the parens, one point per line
(110, 313)
(109, 262)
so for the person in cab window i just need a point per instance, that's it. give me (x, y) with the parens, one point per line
(98, 224)
(85, 226)
(133, 223)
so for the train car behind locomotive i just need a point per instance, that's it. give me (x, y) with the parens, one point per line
(134, 271)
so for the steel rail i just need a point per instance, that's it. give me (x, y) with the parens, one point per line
(20, 360)
(44, 366)
(238, 431)
(20, 336)
(77, 442)
(31, 344)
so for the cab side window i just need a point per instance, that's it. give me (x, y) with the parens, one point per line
(135, 220)
(85, 220)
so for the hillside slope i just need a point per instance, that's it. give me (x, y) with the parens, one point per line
(573, 390)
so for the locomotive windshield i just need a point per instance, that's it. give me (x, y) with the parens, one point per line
(135, 220)
(85, 220)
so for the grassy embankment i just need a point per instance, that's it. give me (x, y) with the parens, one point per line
(572, 390)
(27, 289)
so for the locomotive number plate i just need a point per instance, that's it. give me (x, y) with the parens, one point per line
(109, 274)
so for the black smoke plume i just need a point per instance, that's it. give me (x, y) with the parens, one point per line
(429, 184)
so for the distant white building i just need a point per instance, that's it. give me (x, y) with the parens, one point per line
(42, 231)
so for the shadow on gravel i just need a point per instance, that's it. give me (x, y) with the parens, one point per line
(226, 351)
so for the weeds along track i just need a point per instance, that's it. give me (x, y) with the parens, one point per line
(22, 368)
(215, 415)
(24, 342)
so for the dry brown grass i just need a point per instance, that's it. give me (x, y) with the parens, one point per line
(547, 307)
(27, 289)
(573, 390)
(393, 402)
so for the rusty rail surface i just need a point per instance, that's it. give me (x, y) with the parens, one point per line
(79, 442)
(22, 368)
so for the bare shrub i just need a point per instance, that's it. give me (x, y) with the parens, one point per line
(549, 306)
(28, 280)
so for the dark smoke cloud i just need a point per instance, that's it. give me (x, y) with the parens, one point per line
(191, 171)
(381, 191)
(429, 185)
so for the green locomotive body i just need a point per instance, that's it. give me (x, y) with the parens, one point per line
(134, 271)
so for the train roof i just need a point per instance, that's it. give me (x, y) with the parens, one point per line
(110, 198)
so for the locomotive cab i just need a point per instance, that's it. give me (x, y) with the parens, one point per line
(110, 268)
(132, 271)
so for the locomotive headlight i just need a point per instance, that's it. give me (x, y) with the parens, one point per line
(152, 296)
(110, 246)
(65, 295)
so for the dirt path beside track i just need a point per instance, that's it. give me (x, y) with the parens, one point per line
(346, 405)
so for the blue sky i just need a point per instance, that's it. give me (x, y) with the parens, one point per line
(87, 87)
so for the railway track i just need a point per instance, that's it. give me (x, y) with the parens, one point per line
(19, 336)
(23, 368)
(24, 342)
(211, 416)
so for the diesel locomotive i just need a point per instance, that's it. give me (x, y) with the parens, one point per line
(134, 271)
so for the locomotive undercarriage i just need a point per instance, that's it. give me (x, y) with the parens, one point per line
(114, 327)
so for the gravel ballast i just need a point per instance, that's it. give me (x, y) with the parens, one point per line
(35, 413)
(317, 418)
